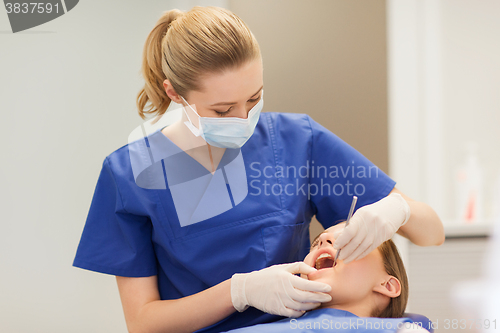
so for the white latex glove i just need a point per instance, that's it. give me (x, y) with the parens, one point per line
(370, 226)
(276, 290)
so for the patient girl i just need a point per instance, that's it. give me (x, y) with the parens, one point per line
(374, 286)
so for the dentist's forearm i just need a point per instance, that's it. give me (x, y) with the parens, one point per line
(424, 226)
(187, 314)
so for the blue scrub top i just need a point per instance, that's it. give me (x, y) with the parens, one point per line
(295, 169)
(330, 320)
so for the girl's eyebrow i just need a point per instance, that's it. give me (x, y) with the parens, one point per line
(315, 239)
(230, 103)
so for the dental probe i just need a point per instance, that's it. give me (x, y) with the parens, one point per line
(351, 211)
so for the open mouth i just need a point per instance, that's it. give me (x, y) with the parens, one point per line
(325, 260)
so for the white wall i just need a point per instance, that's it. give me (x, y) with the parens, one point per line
(444, 83)
(67, 99)
(471, 89)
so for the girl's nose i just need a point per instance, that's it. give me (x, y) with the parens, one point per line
(326, 239)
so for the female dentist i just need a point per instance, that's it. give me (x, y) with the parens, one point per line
(204, 222)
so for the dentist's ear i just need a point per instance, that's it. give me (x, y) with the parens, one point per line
(171, 93)
(390, 287)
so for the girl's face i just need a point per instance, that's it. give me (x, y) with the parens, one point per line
(229, 94)
(361, 282)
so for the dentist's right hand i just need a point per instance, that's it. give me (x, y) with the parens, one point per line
(276, 290)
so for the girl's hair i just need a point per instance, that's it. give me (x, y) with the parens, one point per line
(393, 265)
(183, 47)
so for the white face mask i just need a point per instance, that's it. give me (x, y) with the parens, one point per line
(229, 132)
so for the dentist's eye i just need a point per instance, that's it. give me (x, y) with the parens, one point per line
(254, 100)
(223, 113)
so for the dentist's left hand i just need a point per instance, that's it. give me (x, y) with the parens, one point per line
(276, 290)
(370, 226)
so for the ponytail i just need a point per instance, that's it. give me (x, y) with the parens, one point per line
(153, 91)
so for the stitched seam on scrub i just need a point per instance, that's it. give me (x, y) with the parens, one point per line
(311, 203)
(275, 154)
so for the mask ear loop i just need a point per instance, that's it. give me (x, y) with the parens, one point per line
(193, 129)
(189, 124)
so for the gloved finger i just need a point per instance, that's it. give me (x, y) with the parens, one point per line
(299, 306)
(337, 233)
(310, 297)
(387, 234)
(299, 267)
(307, 285)
(365, 245)
(366, 252)
(302, 296)
(356, 241)
(287, 308)
(347, 234)
(290, 303)
(291, 313)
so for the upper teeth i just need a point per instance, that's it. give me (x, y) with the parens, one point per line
(325, 255)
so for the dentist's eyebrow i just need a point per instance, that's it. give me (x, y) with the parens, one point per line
(230, 103)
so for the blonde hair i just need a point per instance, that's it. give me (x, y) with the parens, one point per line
(394, 266)
(183, 47)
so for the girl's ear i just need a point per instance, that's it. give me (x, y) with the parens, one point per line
(390, 287)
